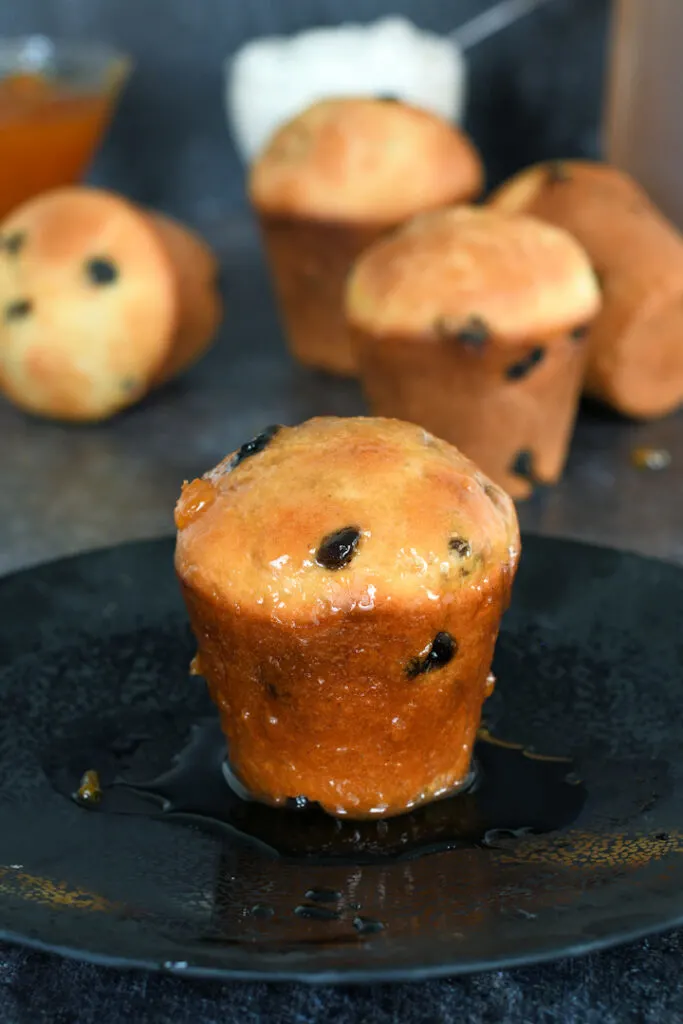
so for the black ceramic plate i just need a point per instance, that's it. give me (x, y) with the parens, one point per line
(94, 653)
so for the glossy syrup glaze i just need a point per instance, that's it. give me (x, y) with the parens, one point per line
(510, 792)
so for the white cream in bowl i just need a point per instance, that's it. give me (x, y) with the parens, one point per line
(271, 79)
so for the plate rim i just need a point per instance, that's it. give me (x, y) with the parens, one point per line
(356, 976)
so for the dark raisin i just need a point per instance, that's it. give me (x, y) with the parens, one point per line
(323, 895)
(525, 365)
(101, 270)
(13, 243)
(558, 172)
(579, 333)
(523, 464)
(337, 549)
(17, 310)
(256, 445)
(460, 546)
(474, 332)
(272, 691)
(389, 97)
(442, 650)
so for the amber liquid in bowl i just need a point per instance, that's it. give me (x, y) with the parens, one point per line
(49, 132)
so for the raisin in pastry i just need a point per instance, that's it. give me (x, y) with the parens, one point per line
(328, 184)
(464, 322)
(635, 354)
(345, 583)
(99, 302)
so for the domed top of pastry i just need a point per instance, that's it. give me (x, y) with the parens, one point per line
(364, 160)
(464, 271)
(340, 516)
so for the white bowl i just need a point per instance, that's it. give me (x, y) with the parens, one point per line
(271, 79)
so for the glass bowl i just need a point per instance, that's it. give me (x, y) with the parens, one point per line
(56, 101)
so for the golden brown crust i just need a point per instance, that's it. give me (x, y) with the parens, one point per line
(314, 668)
(544, 183)
(510, 408)
(635, 360)
(445, 270)
(310, 263)
(365, 161)
(200, 309)
(83, 348)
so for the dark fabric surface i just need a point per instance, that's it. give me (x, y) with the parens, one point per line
(637, 983)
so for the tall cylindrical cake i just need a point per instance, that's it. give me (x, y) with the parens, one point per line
(470, 322)
(329, 183)
(345, 581)
(635, 353)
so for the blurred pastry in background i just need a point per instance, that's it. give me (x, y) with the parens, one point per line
(635, 348)
(100, 301)
(328, 184)
(345, 581)
(470, 322)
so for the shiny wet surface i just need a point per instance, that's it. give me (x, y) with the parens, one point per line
(511, 792)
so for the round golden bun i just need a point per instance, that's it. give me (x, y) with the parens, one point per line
(366, 161)
(519, 277)
(99, 302)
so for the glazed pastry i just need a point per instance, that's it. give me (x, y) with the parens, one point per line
(469, 322)
(635, 355)
(345, 581)
(100, 301)
(329, 183)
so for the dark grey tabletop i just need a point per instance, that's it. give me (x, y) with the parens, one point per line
(66, 489)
